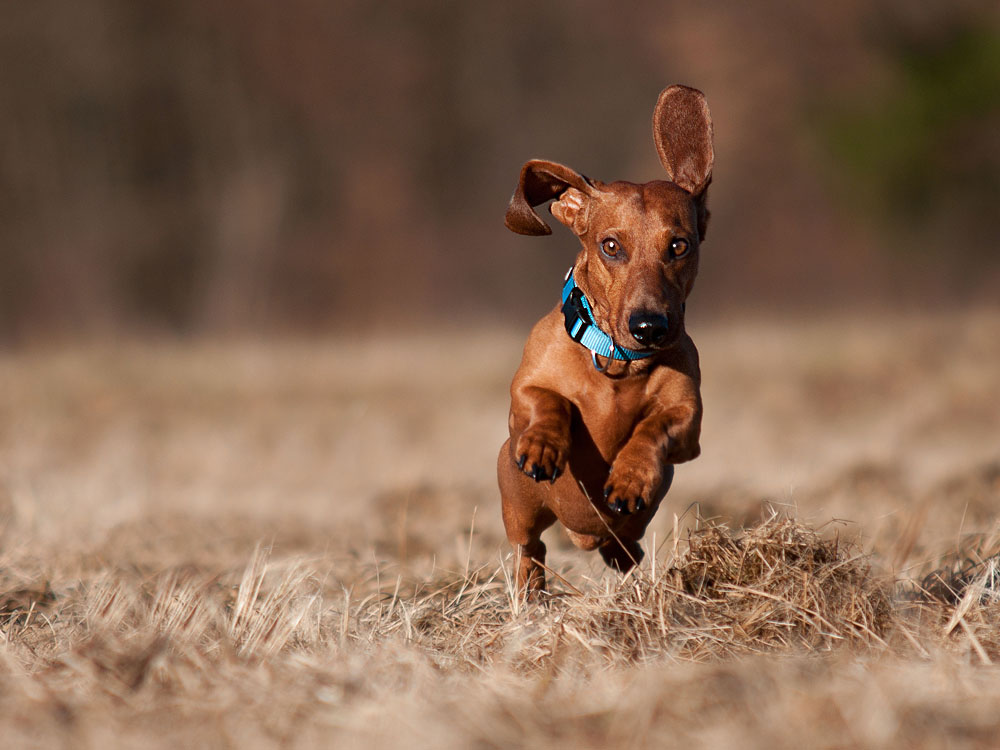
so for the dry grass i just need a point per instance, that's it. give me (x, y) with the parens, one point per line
(256, 546)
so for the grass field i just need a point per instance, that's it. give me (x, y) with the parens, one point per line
(298, 544)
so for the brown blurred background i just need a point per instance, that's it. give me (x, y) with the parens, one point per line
(209, 166)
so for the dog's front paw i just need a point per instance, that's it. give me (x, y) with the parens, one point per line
(541, 453)
(628, 490)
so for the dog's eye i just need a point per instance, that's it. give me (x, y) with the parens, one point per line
(679, 247)
(611, 248)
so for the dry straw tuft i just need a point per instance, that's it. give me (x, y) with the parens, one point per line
(776, 586)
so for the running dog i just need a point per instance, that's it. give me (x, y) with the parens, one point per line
(607, 397)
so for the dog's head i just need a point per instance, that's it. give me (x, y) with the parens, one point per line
(640, 242)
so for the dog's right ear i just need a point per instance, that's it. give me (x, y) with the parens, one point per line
(542, 181)
(682, 132)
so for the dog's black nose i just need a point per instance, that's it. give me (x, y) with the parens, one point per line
(649, 329)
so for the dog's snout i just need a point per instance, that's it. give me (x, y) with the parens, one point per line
(648, 328)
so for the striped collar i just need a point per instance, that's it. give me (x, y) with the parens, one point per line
(582, 328)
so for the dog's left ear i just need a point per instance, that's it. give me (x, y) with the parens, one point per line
(541, 181)
(682, 131)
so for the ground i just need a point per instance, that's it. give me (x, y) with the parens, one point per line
(298, 544)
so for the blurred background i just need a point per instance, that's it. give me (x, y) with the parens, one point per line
(213, 167)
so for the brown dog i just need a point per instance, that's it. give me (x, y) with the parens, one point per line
(607, 398)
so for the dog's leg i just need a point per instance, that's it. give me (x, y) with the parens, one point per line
(644, 464)
(530, 575)
(525, 517)
(539, 428)
(622, 551)
(618, 552)
(586, 542)
(621, 554)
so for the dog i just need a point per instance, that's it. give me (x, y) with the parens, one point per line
(607, 396)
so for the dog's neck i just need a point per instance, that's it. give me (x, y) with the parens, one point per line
(583, 329)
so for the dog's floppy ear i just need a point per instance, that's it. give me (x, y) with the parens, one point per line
(542, 181)
(682, 131)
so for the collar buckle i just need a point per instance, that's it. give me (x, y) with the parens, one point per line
(575, 315)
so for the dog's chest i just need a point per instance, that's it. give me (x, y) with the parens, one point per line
(608, 410)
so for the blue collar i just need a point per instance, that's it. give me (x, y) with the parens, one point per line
(582, 328)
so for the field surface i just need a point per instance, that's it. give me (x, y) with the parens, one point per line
(298, 544)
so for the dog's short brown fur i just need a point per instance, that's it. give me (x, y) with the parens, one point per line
(595, 450)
